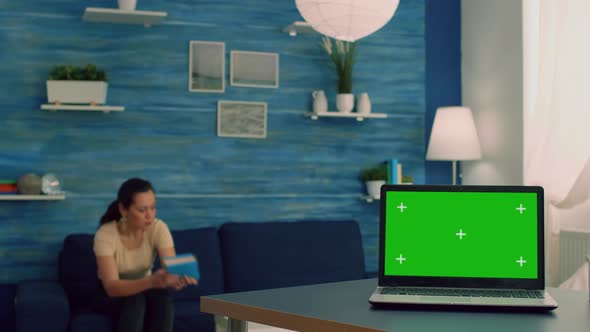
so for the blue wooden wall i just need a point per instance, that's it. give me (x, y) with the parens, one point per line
(304, 169)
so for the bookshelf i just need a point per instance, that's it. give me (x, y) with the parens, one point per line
(357, 116)
(115, 15)
(298, 27)
(17, 197)
(88, 108)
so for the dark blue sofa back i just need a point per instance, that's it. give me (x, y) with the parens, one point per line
(282, 254)
(204, 244)
(77, 271)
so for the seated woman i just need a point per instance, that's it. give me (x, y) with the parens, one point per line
(125, 245)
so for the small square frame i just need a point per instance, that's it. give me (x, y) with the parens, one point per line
(241, 119)
(254, 69)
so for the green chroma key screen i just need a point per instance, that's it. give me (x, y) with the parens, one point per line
(461, 234)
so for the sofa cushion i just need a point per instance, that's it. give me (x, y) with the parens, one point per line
(189, 318)
(41, 306)
(281, 254)
(204, 244)
(77, 271)
(7, 313)
(91, 322)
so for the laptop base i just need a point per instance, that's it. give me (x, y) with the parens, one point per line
(459, 308)
(419, 302)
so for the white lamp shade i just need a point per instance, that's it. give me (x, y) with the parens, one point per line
(453, 135)
(347, 20)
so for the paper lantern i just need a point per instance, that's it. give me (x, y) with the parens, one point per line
(347, 20)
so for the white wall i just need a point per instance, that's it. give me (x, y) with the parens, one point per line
(492, 75)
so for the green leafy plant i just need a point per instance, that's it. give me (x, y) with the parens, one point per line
(375, 173)
(343, 59)
(77, 73)
(407, 179)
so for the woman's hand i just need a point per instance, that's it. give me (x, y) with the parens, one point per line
(191, 281)
(175, 281)
(158, 279)
(163, 279)
(179, 282)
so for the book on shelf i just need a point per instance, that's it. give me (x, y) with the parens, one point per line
(7, 188)
(183, 265)
(394, 171)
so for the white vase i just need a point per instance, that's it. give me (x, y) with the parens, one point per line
(363, 104)
(127, 4)
(320, 103)
(374, 188)
(344, 102)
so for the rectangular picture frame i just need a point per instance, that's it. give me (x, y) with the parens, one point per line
(206, 71)
(246, 119)
(254, 69)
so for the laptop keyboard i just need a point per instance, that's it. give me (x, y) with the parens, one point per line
(533, 294)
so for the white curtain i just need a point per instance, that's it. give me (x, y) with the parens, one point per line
(557, 130)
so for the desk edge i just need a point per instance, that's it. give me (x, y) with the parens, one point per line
(276, 318)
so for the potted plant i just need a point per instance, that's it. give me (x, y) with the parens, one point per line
(343, 58)
(374, 177)
(68, 84)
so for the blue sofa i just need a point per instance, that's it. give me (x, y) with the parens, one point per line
(232, 258)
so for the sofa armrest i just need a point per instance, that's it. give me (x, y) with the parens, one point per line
(41, 306)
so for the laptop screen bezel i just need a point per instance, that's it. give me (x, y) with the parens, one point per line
(464, 282)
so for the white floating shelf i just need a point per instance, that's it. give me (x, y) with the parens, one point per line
(358, 116)
(298, 27)
(17, 197)
(115, 15)
(88, 108)
(368, 199)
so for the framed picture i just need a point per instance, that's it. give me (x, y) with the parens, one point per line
(254, 69)
(241, 119)
(206, 69)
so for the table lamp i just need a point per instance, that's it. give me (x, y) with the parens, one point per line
(453, 137)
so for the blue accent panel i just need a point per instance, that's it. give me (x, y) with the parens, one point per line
(443, 81)
(304, 169)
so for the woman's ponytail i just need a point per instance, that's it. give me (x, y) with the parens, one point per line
(112, 213)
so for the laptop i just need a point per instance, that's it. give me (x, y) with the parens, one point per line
(477, 246)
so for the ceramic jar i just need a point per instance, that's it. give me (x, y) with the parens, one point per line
(127, 4)
(363, 104)
(320, 103)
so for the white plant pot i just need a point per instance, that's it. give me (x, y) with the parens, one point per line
(374, 188)
(127, 4)
(344, 102)
(77, 92)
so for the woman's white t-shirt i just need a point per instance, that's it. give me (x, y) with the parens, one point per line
(132, 263)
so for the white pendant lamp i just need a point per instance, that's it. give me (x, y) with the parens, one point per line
(347, 20)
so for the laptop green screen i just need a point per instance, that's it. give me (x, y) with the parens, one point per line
(461, 234)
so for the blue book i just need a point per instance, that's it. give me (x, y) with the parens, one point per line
(393, 168)
(183, 265)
